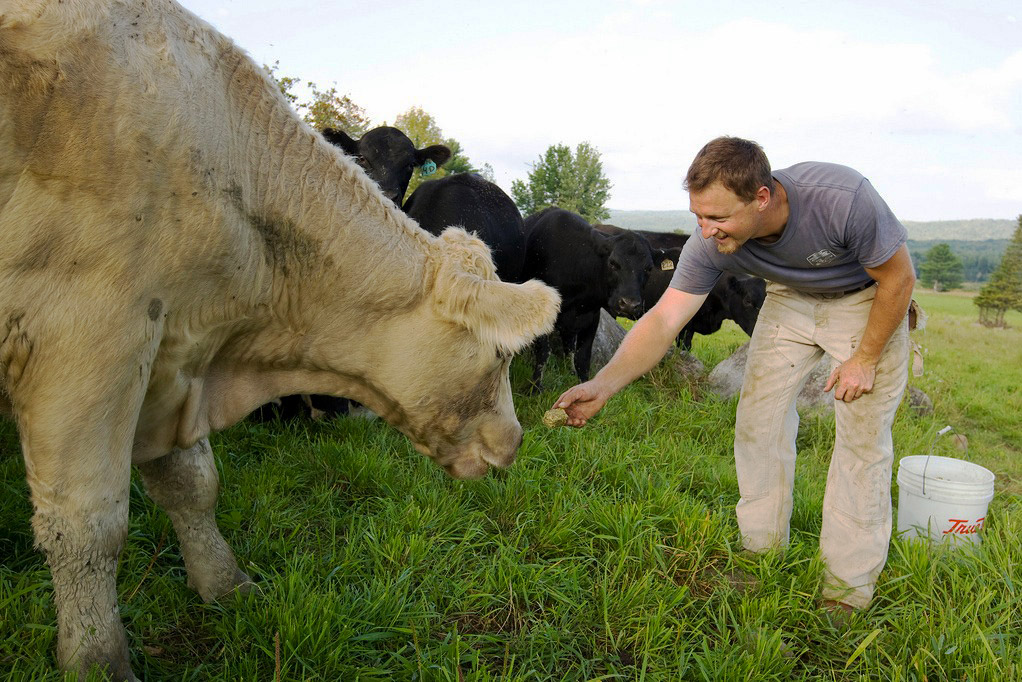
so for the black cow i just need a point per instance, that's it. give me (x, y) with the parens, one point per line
(591, 270)
(480, 207)
(733, 297)
(389, 157)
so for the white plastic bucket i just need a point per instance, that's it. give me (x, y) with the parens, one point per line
(943, 499)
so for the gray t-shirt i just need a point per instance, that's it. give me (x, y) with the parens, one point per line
(837, 226)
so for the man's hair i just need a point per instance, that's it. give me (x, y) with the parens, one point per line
(740, 165)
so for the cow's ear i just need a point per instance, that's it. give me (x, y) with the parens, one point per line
(603, 243)
(466, 291)
(342, 140)
(437, 153)
(502, 315)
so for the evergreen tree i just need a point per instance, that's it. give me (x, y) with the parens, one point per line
(1004, 290)
(941, 269)
(574, 182)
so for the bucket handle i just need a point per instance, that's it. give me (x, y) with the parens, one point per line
(940, 433)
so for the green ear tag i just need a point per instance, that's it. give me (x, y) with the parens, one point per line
(428, 168)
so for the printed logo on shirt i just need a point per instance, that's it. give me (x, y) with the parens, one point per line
(821, 257)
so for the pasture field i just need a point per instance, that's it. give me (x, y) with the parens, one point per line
(608, 553)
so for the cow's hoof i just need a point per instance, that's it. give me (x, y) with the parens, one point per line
(239, 583)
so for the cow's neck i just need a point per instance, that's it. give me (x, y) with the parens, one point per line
(335, 247)
(338, 261)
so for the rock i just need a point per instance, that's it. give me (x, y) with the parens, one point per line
(686, 366)
(960, 442)
(608, 337)
(726, 381)
(920, 403)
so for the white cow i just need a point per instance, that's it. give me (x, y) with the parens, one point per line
(179, 248)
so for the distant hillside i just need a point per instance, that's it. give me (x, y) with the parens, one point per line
(654, 221)
(960, 230)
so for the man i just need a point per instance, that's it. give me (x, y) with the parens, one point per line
(840, 282)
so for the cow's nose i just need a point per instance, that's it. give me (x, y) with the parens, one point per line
(629, 307)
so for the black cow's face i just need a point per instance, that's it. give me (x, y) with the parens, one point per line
(388, 157)
(628, 266)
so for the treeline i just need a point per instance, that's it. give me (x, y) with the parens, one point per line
(979, 258)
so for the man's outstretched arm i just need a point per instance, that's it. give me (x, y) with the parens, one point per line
(643, 346)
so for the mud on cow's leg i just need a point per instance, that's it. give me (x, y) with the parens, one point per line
(81, 531)
(185, 484)
(77, 422)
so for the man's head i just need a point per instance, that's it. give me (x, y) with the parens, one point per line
(729, 185)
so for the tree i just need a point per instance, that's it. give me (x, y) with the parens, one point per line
(423, 130)
(1004, 290)
(941, 269)
(574, 182)
(327, 109)
(330, 110)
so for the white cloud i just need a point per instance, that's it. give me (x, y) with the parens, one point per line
(649, 81)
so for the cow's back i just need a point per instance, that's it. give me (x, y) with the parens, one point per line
(120, 115)
(561, 250)
(481, 207)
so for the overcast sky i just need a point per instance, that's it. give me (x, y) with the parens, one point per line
(922, 97)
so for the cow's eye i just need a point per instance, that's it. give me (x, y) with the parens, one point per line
(614, 266)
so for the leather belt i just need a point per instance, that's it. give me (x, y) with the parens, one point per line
(867, 285)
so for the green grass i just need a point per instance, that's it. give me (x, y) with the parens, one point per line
(605, 553)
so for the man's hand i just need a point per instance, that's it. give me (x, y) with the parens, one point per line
(851, 379)
(583, 401)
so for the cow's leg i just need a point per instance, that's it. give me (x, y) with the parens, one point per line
(685, 338)
(80, 523)
(76, 399)
(540, 354)
(587, 326)
(185, 484)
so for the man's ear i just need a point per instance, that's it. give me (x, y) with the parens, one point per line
(342, 140)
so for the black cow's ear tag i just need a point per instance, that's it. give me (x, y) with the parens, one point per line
(666, 264)
(428, 168)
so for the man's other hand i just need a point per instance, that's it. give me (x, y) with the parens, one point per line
(851, 379)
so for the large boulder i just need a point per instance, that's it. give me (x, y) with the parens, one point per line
(726, 381)
(609, 335)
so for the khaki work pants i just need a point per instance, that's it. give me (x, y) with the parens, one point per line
(793, 331)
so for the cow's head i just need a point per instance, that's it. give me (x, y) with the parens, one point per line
(665, 261)
(446, 362)
(628, 262)
(388, 156)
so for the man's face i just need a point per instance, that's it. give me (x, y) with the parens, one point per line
(725, 218)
